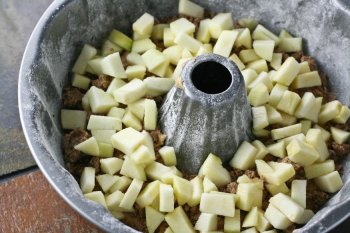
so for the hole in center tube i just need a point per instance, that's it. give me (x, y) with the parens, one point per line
(211, 77)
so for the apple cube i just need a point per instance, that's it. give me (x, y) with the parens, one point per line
(224, 44)
(259, 66)
(302, 153)
(289, 102)
(203, 34)
(237, 61)
(136, 36)
(120, 39)
(305, 126)
(258, 95)
(153, 219)
(130, 120)
(282, 172)
(248, 23)
(138, 108)
(135, 59)
(218, 203)
(276, 61)
(97, 122)
(308, 214)
(109, 47)
(251, 219)
(219, 23)
(142, 45)
(148, 194)
(206, 222)
(106, 181)
(308, 108)
(72, 119)
(106, 149)
(309, 79)
(87, 180)
(197, 184)
(85, 55)
(148, 141)
(314, 138)
(158, 86)
(339, 136)
(114, 85)
(136, 71)
(127, 140)
(284, 34)
(287, 72)
(85, 102)
(179, 222)
(182, 189)
(290, 208)
(80, 81)
(111, 165)
(250, 230)
(103, 135)
(248, 55)
(151, 112)
(325, 134)
(130, 92)
(275, 189)
(168, 230)
(286, 131)
(113, 66)
(94, 66)
(244, 157)
(329, 111)
(263, 77)
(274, 117)
(96, 196)
(304, 67)
(208, 185)
(330, 182)
(233, 224)
(261, 133)
(319, 169)
(166, 198)
(299, 136)
(132, 169)
(156, 170)
(187, 42)
(168, 37)
(131, 194)
(182, 25)
(244, 39)
(277, 219)
(261, 33)
(116, 112)
(100, 101)
(144, 24)
(263, 223)
(191, 9)
(173, 53)
(290, 45)
(142, 156)
(276, 94)
(260, 118)
(121, 185)
(264, 48)
(89, 146)
(298, 192)
(249, 75)
(167, 153)
(262, 150)
(343, 115)
(213, 169)
(153, 59)
(262, 167)
(277, 149)
(249, 196)
(113, 201)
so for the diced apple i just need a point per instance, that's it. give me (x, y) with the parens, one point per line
(168, 38)
(248, 23)
(156, 170)
(218, 203)
(102, 135)
(106, 181)
(132, 169)
(289, 102)
(138, 108)
(258, 65)
(305, 126)
(85, 55)
(120, 39)
(314, 138)
(135, 59)
(343, 115)
(127, 140)
(261, 33)
(276, 61)
(116, 112)
(166, 198)
(158, 86)
(319, 169)
(94, 66)
(182, 25)
(153, 219)
(329, 111)
(80, 81)
(262, 150)
(244, 157)
(187, 42)
(330, 182)
(282, 172)
(142, 45)
(249, 196)
(203, 34)
(111, 165)
(233, 224)
(179, 222)
(261, 133)
(224, 44)
(168, 230)
(291, 209)
(277, 149)
(148, 141)
(197, 184)
(339, 136)
(130, 120)
(104, 123)
(121, 185)
(308, 108)
(248, 55)
(276, 94)
(298, 192)
(130, 92)
(260, 118)
(206, 222)
(153, 59)
(264, 48)
(109, 47)
(290, 45)
(237, 61)
(302, 153)
(208, 185)
(284, 34)
(299, 136)
(258, 95)
(251, 219)
(112, 65)
(274, 117)
(190, 9)
(182, 189)
(277, 219)
(308, 214)
(85, 102)
(213, 169)
(142, 156)
(106, 149)
(262, 78)
(250, 230)
(131, 194)
(286, 131)
(100, 101)
(173, 53)
(89, 146)
(287, 72)
(309, 79)
(144, 24)
(244, 39)
(263, 223)
(87, 180)
(249, 76)
(168, 156)
(151, 113)
(114, 85)
(219, 23)
(72, 119)
(275, 189)
(136, 71)
(148, 194)
(96, 196)
(113, 201)
(325, 134)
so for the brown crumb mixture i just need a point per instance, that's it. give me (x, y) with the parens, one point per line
(338, 152)
(221, 223)
(231, 187)
(235, 173)
(102, 81)
(72, 97)
(136, 219)
(251, 174)
(315, 198)
(158, 139)
(162, 227)
(123, 56)
(299, 170)
(192, 213)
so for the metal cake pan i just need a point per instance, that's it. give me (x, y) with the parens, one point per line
(68, 24)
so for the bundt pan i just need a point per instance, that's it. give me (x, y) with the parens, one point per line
(68, 24)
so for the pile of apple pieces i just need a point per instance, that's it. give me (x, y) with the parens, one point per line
(114, 126)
